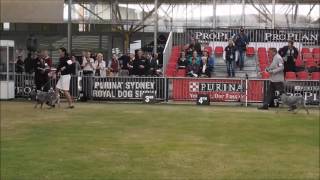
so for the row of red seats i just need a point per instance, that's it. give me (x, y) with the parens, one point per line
(303, 75)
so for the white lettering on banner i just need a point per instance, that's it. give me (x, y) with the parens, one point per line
(108, 85)
(102, 93)
(139, 85)
(220, 87)
(292, 36)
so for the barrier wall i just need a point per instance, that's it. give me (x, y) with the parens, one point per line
(175, 89)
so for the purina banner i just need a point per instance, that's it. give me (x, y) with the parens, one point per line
(306, 37)
(217, 89)
(127, 88)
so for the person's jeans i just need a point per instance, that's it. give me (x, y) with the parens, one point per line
(230, 68)
(241, 54)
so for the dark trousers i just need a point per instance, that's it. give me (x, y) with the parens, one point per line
(272, 91)
(87, 85)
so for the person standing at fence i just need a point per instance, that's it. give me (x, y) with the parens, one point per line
(64, 70)
(100, 66)
(114, 65)
(182, 62)
(229, 55)
(193, 69)
(204, 69)
(139, 64)
(241, 41)
(88, 68)
(19, 65)
(47, 58)
(75, 67)
(209, 59)
(123, 61)
(29, 63)
(41, 74)
(131, 63)
(289, 54)
(276, 77)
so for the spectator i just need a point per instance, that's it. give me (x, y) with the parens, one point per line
(156, 65)
(276, 78)
(88, 68)
(29, 63)
(193, 68)
(140, 64)
(204, 70)
(210, 59)
(123, 61)
(182, 62)
(193, 46)
(130, 64)
(47, 58)
(229, 55)
(289, 54)
(76, 67)
(114, 65)
(41, 73)
(19, 65)
(100, 66)
(241, 41)
(195, 57)
(64, 69)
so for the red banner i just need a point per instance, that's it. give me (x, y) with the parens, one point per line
(219, 90)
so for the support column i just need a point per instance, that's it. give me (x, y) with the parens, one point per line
(155, 35)
(69, 27)
(273, 13)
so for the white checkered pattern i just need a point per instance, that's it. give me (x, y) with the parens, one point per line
(193, 86)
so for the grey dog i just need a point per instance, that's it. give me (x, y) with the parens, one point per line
(293, 102)
(50, 98)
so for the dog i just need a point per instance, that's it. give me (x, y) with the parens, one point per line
(294, 102)
(50, 98)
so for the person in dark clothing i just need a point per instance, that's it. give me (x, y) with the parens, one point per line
(182, 62)
(194, 46)
(29, 64)
(64, 70)
(241, 42)
(140, 64)
(289, 54)
(130, 64)
(193, 68)
(204, 70)
(123, 61)
(19, 65)
(229, 56)
(41, 75)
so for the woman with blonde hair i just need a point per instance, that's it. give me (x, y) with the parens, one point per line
(100, 66)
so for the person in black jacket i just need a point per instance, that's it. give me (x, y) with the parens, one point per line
(204, 70)
(41, 74)
(229, 56)
(64, 70)
(289, 54)
(19, 65)
(140, 65)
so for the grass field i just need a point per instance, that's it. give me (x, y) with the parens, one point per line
(135, 141)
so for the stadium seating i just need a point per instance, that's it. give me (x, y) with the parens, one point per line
(218, 51)
(209, 49)
(299, 62)
(290, 76)
(303, 75)
(315, 76)
(181, 73)
(315, 51)
(305, 50)
(262, 50)
(250, 51)
(310, 62)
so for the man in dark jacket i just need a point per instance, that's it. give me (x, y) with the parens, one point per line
(289, 54)
(229, 56)
(241, 41)
(29, 64)
(19, 65)
(140, 64)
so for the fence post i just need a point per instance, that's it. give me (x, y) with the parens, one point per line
(247, 79)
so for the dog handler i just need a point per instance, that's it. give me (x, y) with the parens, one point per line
(64, 70)
(276, 79)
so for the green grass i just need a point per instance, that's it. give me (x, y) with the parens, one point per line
(135, 141)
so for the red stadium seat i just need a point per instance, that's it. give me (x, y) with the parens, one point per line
(265, 75)
(250, 51)
(291, 76)
(305, 50)
(307, 55)
(262, 50)
(310, 63)
(315, 51)
(315, 76)
(209, 49)
(218, 50)
(170, 72)
(302, 75)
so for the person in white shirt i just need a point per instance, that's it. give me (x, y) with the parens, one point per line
(100, 66)
(88, 68)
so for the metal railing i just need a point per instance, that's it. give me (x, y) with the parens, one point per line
(167, 52)
(242, 90)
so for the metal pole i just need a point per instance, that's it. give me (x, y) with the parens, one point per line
(69, 27)
(273, 13)
(243, 13)
(155, 35)
(214, 13)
